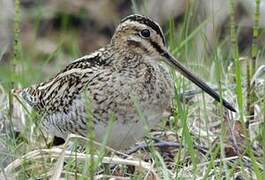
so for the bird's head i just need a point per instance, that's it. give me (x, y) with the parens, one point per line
(141, 35)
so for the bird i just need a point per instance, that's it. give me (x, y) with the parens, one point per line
(126, 81)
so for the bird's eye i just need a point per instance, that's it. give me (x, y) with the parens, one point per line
(145, 33)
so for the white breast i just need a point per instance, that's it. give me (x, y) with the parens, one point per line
(122, 136)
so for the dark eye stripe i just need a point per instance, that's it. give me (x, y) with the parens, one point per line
(146, 21)
(157, 47)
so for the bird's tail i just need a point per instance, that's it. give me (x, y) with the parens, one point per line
(27, 95)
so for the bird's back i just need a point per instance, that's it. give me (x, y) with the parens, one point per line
(96, 86)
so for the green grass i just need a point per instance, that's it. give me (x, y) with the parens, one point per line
(192, 125)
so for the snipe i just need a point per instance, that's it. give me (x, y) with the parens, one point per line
(114, 80)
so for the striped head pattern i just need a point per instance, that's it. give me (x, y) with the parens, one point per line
(140, 34)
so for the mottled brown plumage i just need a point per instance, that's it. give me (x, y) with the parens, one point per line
(112, 82)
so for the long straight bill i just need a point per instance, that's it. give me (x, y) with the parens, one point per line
(171, 60)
